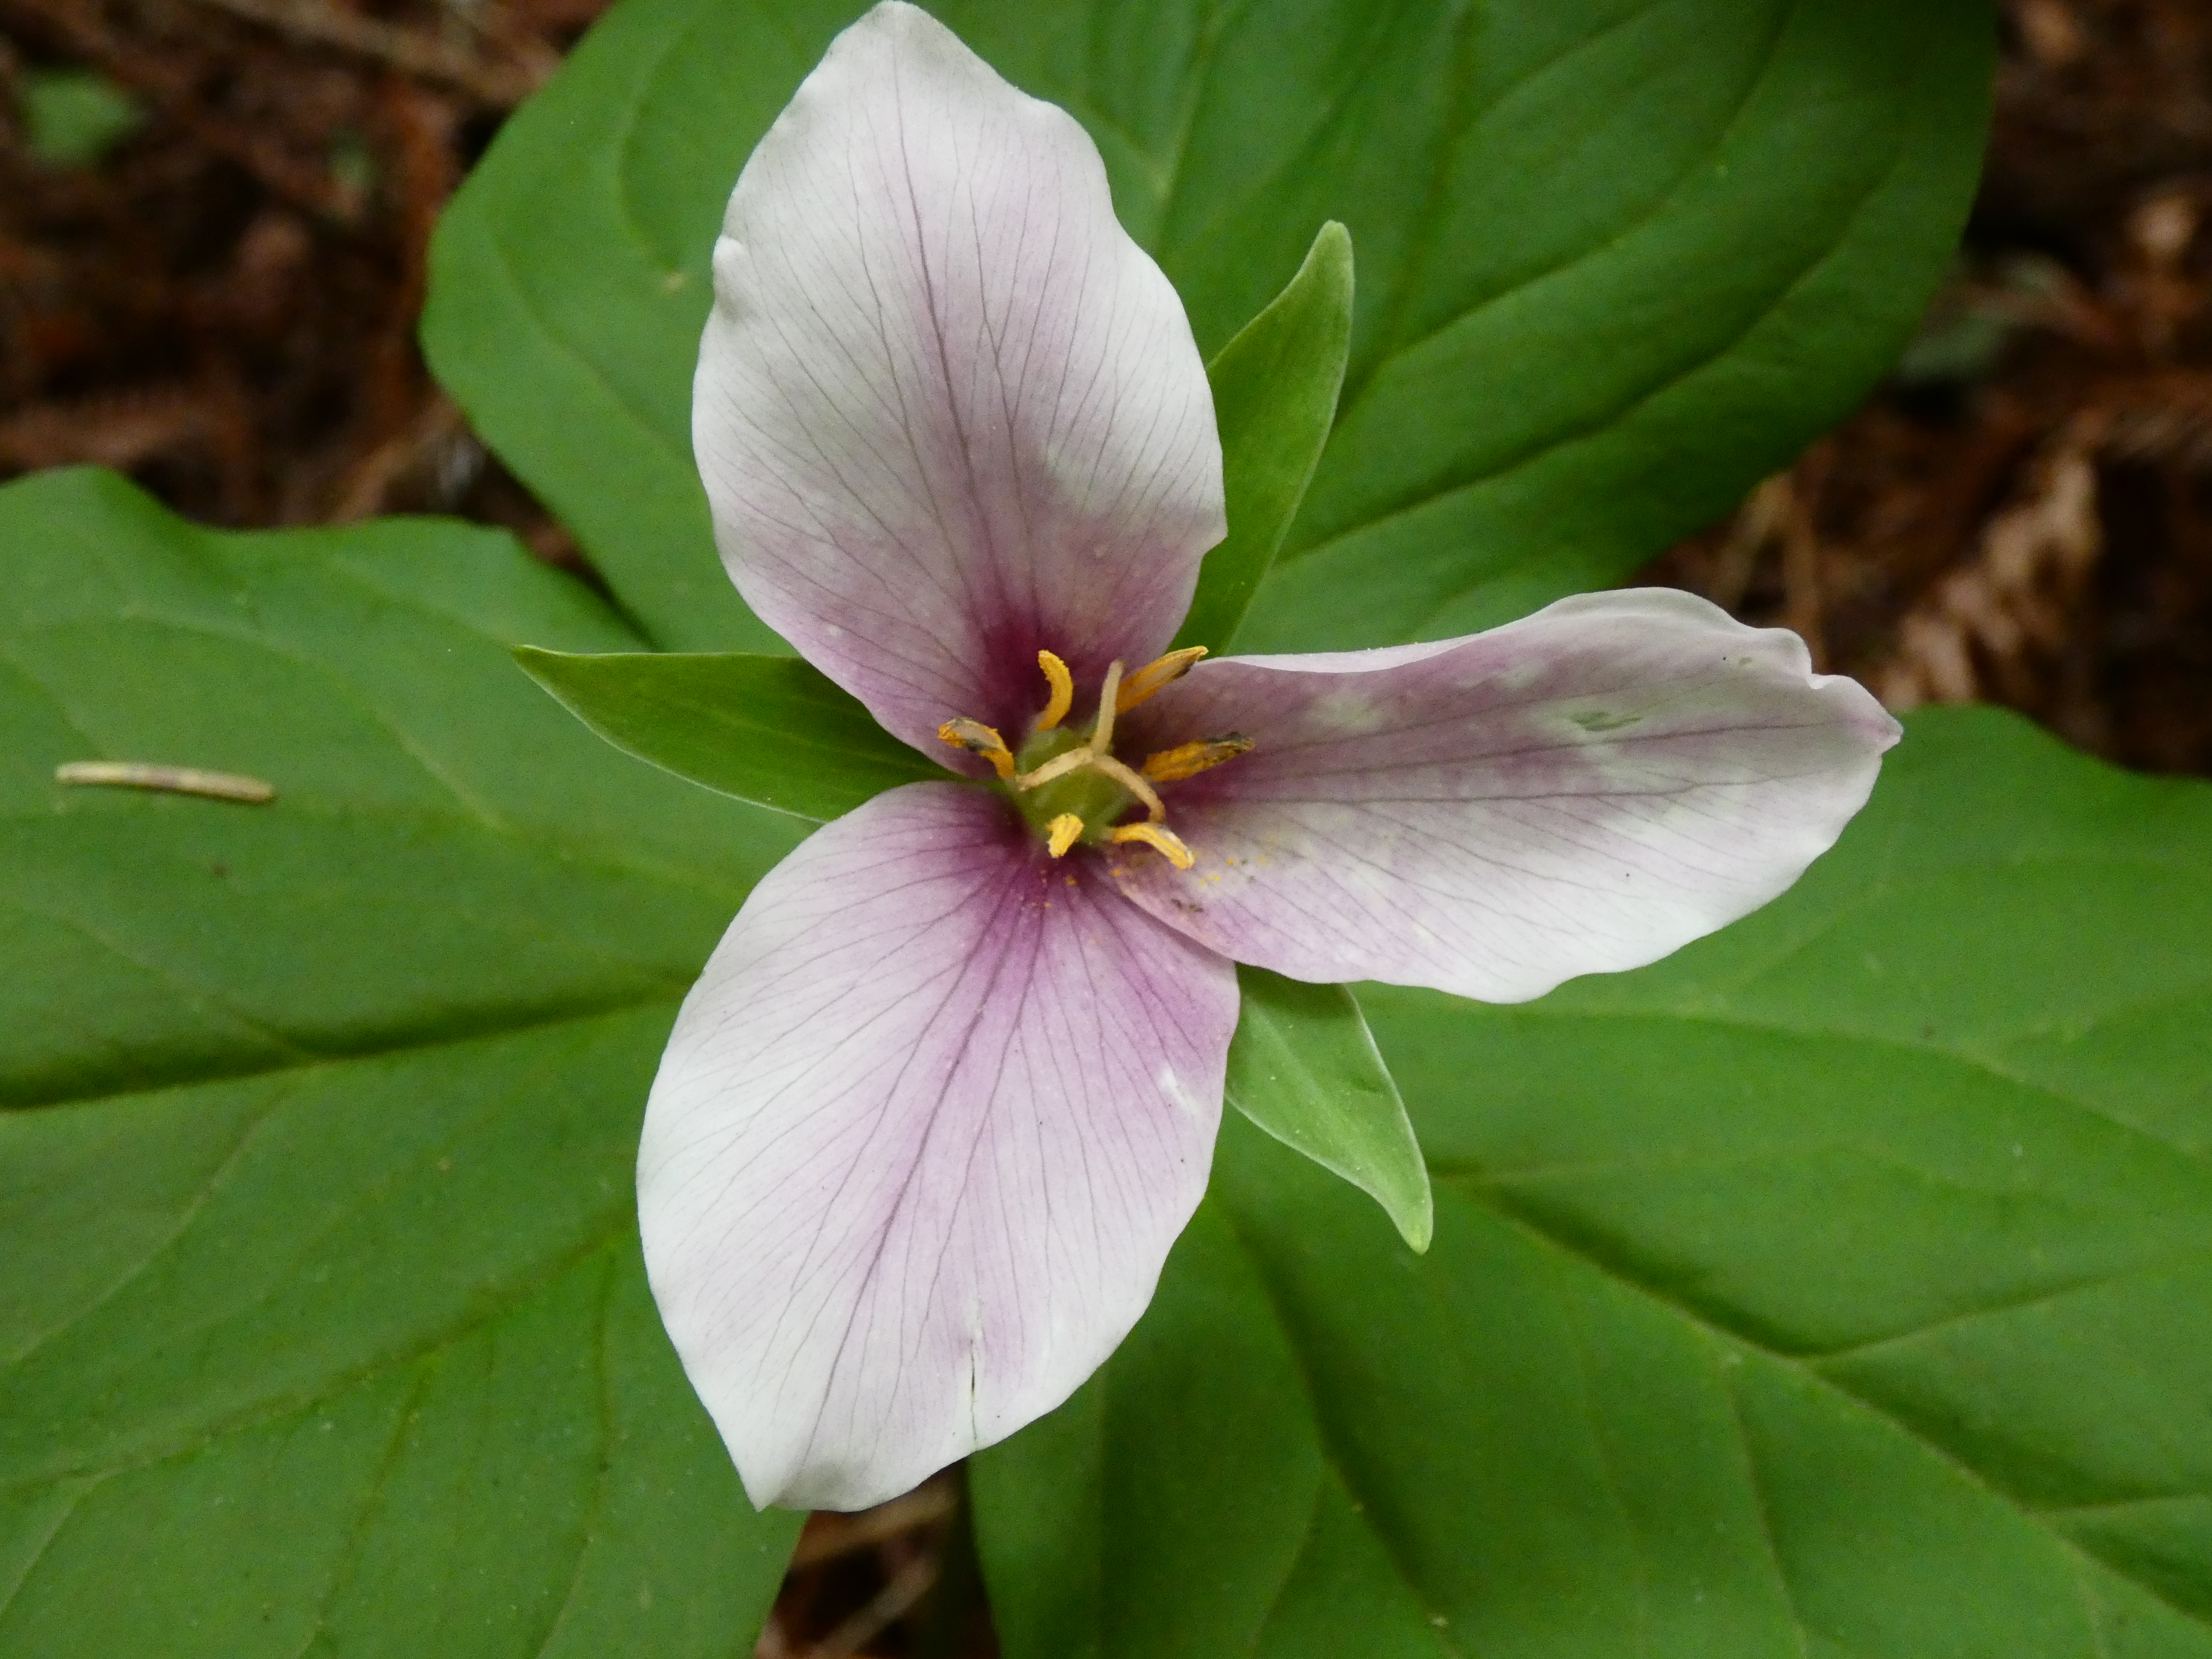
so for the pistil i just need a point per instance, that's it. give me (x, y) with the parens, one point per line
(1095, 787)
(1094, 747)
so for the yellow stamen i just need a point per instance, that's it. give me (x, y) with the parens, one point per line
(1188, 760)
(1062, 833)
(1129, 780)
(1110, 704)
(1161, 671)
(1162, 841)
(1063, 693)
(978, 738)
(1095, 753)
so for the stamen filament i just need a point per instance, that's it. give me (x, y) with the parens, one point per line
(1063, 693)
(978, 738)
(1188, 760)
(1120, 773)
(1058, 767)
(1062, 833)
(1110, 704)
(1160, 671)
(1162, 840)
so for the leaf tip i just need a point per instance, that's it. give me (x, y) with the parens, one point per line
(541, 664)
(1417, 1223)
(1330, 256)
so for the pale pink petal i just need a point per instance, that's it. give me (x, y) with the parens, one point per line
(947, 412)
(1582, 791)
(925, 1131)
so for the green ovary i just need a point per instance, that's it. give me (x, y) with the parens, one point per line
(1091, 796)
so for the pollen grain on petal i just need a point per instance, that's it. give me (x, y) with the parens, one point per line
(1188, 760)
(1160, 839)
(1063, 690)
(978, 738)
(1062, 833)
(1158, 672)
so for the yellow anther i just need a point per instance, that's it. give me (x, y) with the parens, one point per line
(1162, 841)
(978, 738)
(1062, 833)
(1188, 760)
(1110, 704)
(1063, 693)
(1160, 671)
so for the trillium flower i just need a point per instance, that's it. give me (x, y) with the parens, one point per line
(948, 1090)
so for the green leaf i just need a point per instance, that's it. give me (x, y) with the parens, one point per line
(72, 117)
(769, 730)
(1618, 260)
(1834, 1287)
(1274, 397)
(320, 1304)
(1304, 1067)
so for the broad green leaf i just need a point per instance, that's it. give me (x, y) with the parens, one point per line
(322, 1325)
(1618, 260)
(1304, 1068)
(1835, 1287)
(768, 730)
(1275, 395)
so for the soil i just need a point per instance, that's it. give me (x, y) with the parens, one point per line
(220, 301)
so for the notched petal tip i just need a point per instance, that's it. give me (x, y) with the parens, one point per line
(1882, 730)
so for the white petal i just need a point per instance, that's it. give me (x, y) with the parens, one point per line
(1580, 792)
(924, 1133)
(947, 412)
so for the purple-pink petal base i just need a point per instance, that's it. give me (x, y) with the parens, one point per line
(926, 1129)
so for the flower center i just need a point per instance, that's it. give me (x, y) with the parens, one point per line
(1070, 787)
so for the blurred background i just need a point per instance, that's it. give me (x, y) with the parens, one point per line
(212, 220)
